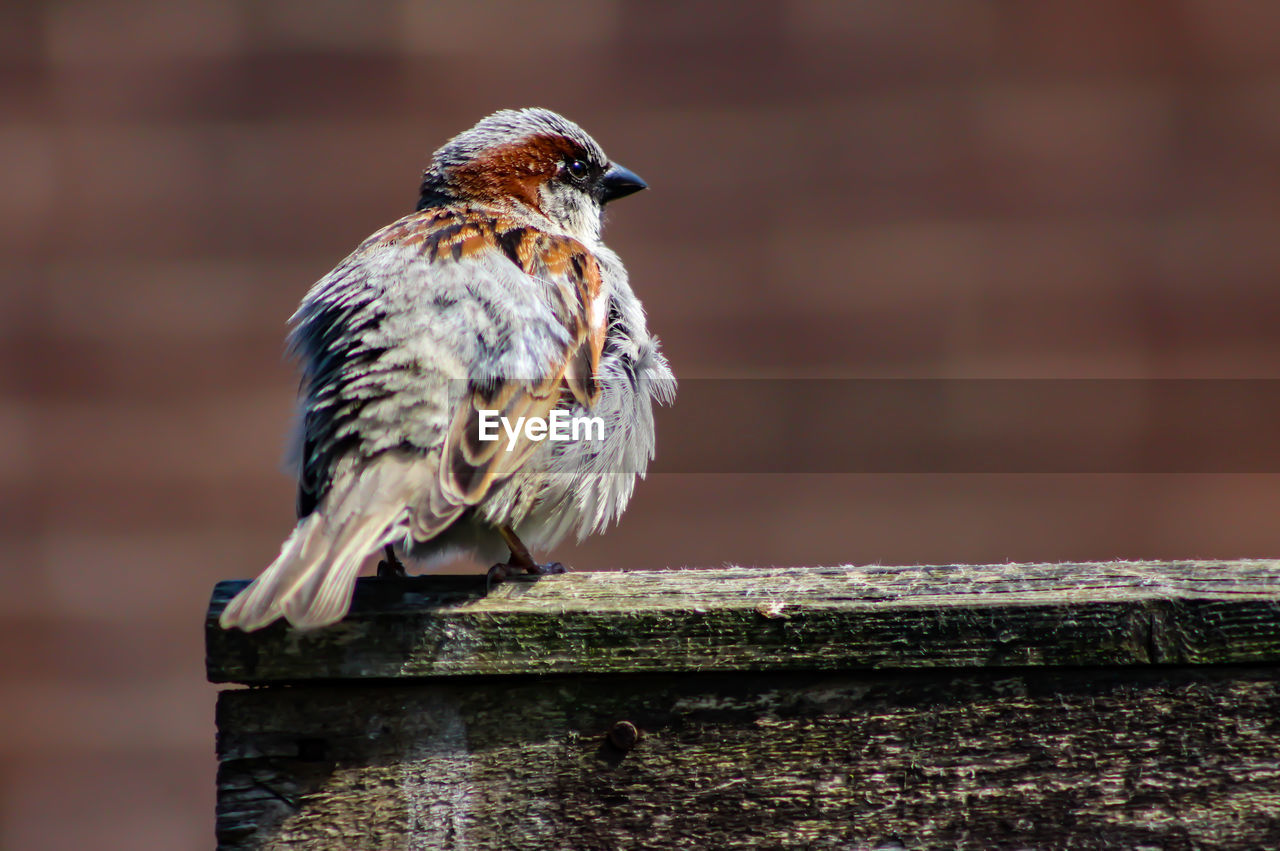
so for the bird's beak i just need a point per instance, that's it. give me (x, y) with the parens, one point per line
(619, 182)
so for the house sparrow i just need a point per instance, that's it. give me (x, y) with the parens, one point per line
(495, 298)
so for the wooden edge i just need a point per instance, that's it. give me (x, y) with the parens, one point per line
(757, 619)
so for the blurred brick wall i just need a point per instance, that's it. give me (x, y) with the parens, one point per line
(871, 188)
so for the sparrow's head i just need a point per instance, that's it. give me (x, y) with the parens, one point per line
(532, 158)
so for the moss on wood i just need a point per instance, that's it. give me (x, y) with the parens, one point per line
(741, 619)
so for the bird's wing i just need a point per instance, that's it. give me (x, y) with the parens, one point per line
(570, 280)
(442, 315)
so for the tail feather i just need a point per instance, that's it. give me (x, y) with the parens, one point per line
(323, 596)
(310, 583)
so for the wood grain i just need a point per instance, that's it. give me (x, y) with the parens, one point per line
(1108, 758)
(775, 619)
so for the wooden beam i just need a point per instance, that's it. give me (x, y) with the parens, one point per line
(775, 619)
(1166, 757)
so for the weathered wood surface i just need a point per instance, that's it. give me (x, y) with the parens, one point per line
(1123, 758)
(744, 619)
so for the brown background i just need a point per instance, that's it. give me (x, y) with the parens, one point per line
(873, 188)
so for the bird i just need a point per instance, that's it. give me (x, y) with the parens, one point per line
(495, 298)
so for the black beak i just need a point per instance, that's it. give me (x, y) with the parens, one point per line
(619, 182)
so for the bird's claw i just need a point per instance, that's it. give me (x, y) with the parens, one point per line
(502, 572)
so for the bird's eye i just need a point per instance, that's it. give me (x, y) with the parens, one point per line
(577, 169)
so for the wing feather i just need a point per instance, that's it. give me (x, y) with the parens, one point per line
(473, 467)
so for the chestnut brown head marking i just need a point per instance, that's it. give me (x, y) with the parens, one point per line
(529, 160)
(515, 170)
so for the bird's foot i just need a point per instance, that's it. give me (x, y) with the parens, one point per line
(391, 567)
(501, 572)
